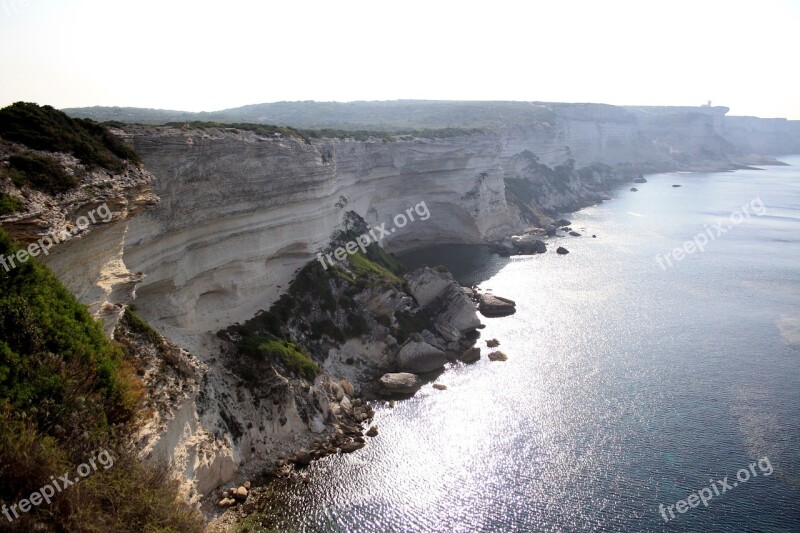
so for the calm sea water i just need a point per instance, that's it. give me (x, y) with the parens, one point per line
(627, 385)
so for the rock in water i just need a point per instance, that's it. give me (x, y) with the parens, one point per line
(372, 432)
(640, 179)
(676, 185)
(528, 244)
(574, 233)
(420, 357)
(561, 250)
(497, 356)
(634, 189)
(399, 383)
(439, 386)
(562, 222)
(492, 343)
(471, 355)
(494, 306)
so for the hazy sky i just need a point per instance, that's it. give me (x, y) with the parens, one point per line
(201, 55)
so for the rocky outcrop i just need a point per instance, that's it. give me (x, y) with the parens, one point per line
(420, 357)
(437, 293)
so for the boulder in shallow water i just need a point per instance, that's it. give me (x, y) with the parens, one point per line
(634, 189)
(471, 355)
(561, 250)
(497, 356)
(494, 306)
(439, 386)
(574, 233)
(562, 222)
(529, 244)
(640, 179)
(399, 383)
(492, 343)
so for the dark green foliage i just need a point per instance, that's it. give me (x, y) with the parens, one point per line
(326, 327)
(314, 281)
(65, 393)
(260, 129)
(408, 323)
(9, 204)
(357, 325)
(46, 128)
(40, 172)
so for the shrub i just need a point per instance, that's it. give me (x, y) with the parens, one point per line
(40, 172)
(9, 204)
(46, 128)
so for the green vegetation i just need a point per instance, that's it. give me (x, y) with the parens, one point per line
(40, 172)
(46, 128)
(307, 134)
(260, 129)
(140, 327)
(270, 348)
(65, 393)
(9, 204)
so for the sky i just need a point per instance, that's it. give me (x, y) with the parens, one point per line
(207, 56)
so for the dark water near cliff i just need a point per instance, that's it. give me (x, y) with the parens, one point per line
(627, 386)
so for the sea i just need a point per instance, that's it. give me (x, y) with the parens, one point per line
(652, 380)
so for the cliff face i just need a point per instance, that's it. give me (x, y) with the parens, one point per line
(240, 213)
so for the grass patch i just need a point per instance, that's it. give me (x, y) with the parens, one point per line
(365, 268)
(139, 326)
(46, 128)
(9, 204)
(270, 348)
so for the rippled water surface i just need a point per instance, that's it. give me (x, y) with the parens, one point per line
(627, 386)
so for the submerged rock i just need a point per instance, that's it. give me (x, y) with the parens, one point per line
(492, 343)
(640, 179)
(439, 386)
(561, 250)
(634, 189)
(574, 233)
(494, 306)
(676, 185)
